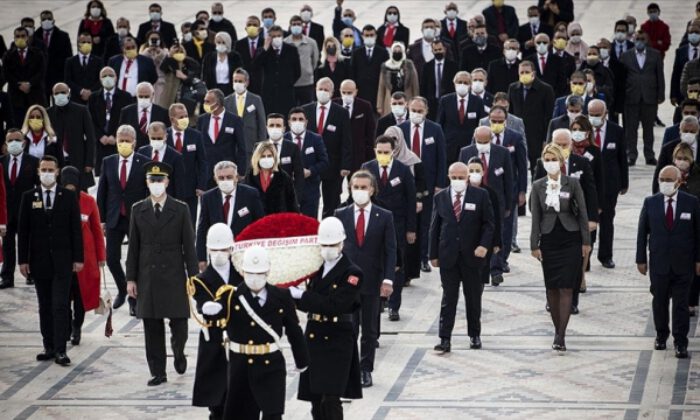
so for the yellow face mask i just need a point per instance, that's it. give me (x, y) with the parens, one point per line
(383, 159)
(35, 124)
(693, 95)
(566, 152)
(347, 42)
(498, 3)
(179, 57)
(207, 108)
(559, 43)
(526, 78)
(183, 123)
(20, 42)
(131, 54)
(577, 90)
(85, 48)
(498, 128)
(252, 31)
(125, 149)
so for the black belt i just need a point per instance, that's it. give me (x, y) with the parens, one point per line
(326, 318)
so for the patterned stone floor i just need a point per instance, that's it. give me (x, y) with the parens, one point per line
(610, 372)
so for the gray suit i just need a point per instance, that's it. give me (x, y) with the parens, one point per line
(254, 119)
(644, 90)
(544, 218)
(512, 122)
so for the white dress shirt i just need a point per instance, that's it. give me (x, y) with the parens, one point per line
(52, 194)
(232, 205)
(131, 77)
(427, 49)
(641, 58)
(222, 71)
(211, 125)
(261, 295)
(367, 209)
(129, 161)
(162, 204)
(37, 150)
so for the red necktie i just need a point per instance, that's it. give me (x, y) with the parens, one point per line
(498, 139)
(360, 228)
(122, 182)
(389, 35)
(13, 174)
(216, 128)
(21, 57)
(298, 141)
(452, 30)
(126, 73)
(461, 111)
(252, 49)
(143, 122)
(597, 137)
(385, 176)
(486, 169)
(563, 169)
(306, 29)
(178, 142)
(416, 140)
(543, 64)
(227, 207)
(156, 158)
(457, 206)
(46, 38)
(669, 214)
(321, 120)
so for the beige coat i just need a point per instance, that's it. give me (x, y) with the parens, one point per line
(411, 87)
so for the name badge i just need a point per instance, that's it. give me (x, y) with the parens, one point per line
(429, 140)
(565, 195)
(84, 217)
(229, 130)
(498, 171)
(576, 174)
(471, 115)
(470, 206)
(685, 216)
(309, 150)
(286, 159)
(588, 156)
(511, 149)
(250, 108)
(37, 204)
(611, 146)
(487, 109)
(331, 128)
(244, 211)
(357, 117)
(396, 181)
(191, 147)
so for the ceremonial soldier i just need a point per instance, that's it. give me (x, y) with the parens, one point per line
(330, 300)
(256, 313)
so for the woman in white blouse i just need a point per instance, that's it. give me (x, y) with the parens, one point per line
(218, 66)
(41, 139)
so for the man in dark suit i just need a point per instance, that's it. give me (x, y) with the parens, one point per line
(218, 23)
(132, 68)
(141, 114)
(550, 68)
(498, 175)
(280, 68)
(310, 28)
(621, 39)
(501, 21)
(82, 71)
(644, 92)
(478, 88)
(248, 48)
(159, 151)
(105, 107)
(370, 240)
(222, 133)
(686, 53)
(421, 51)
(531, 99)
(453, 28)
(363, 123)
(396, 192)
(461, 232)
(366, 65)
(58, 48)
(398, 114)
(687, 107)
(50, 250)
(188, 142)
(289, 154)
(669, 224)
(20, 174)
(458, 115)
(156, 24)
(234, 204)
(688, 133)
(528, 31)
(427, 140)
(331, 121)
(314, 159)
(75, 132)
(504, 71)
(437, 77)
(479, 53)
(23, 69)
(120, 186)
(114, 45)
(611, 140)
(574, 108)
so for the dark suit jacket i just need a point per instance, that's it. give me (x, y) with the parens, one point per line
(556, 72)
(428, 86)
(192, 52)
(415, 53)
(458, 135)
(230, 145)
(113, 46)
(194, 158)
(224, 26)
(76, 135)
(316, 33)
(561, 121)
(58, 51)
(678, 64)
(111, 196)
(581, 170)
(363, 126)
(377, 255)
(461, 32)
(501, 75)
(336, 137)
(343, 70)
(78, 77)
(534, 111)
(27, 178)
(366, 72)
(433, 153)
(389, 120)
(400, 35)
(629, 45)
(279, 73)
(247, 209)
(671, 133)
(500, 172)
(566, 11)
(243, 50)
(514, 142)
(280, 196)
(176, 185)
(675, 251)
(146, 68)
(290, 161)
(645, 85)
(451, 239)
(103, 127)
(31, 71)
(314, 158)
(525, 33)
(614, 157)
(472, 58)
(665, 159)
(131, 114)
(510, 19)
(105, 32)
(168, 36)
(398, 195)
(209, 67)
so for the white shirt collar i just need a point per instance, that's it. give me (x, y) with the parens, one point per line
(162, 204)
(367, 208)
(262, 295)
(52, 189)
(224, 272)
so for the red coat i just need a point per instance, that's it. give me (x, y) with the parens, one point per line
(659, 35)
(94, 249)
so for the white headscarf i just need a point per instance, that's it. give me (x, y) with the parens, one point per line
(391, 63)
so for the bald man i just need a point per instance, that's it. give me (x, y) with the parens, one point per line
(363, 123)
(461, 232)
(669, 224)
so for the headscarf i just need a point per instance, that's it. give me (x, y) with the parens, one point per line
(401, 151)
(581, 48)
(396, 65)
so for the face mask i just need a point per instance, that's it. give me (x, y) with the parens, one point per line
(458, 185)
(429, 33)
(60, 99)
(20, 42)
(239, 88)
(510, 54)
(226, 186)
(305, 15)
(683, 165)
(15, 147)
(475, 179)
(542, 49)
(552, 167)
(559, 43)
(477, 86)
(392, 18)
(640, 45)
(267, 22)
(480, 40)
(383, 159)
(572, 115)
(252, 31)
(322, 96)
(296, 30)
(329, 253)
(483, 147)
(207, 108)
(694, 38)
(297, 127)
(277, 42)
(397, 56)
(462, 89)
(217, 18)
(566, 153)
(416, 118)
(221, 48)
(589, 87)
(693, 95)
(35, 124)
(143, 102)
(534, 20)
(47, 179)
(688, 138)
(575, 39)
(398, 110)
(122, 32)
(620, 36)
(131, 54)
(596, 121)
(604, 53)
(498, 128)
(526, 78)
(154, 16)
(85, 48)
(30, 30)
(156, 189)
(108, 82)
(667, 188)
(179, 57)
(255, 281)
(439, 56)
(361, 197)
(577, 90)
(348, 99)
(183, 123)
(498, 3)
(347, 21)
(654, 16)
(267, 162)
(95, 12)
(275, 133)
(347, 42)
(125, 149)
(592, 60)
(202, 34)
(370, 41)
(451, 14)
(578, 136)
(157, 144)
(331, 50)
(47, 25)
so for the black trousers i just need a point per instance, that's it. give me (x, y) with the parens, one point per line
(425, 216)
(154, 333)
(607, 227)
(394, 301)
(328, 407)
(330, 190)
(77, 315)
(675, 287)
(114, 239)
(304, 94)
(694, 292)
(242, 403)
(367, 317)
(53, 294)
(472, 288)
(9, 252)
(193, 203)
(634, 114)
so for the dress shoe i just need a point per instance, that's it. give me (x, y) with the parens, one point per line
(180, 364)
(506, 268)
(583, 287)
(425, 267)
(515, 249)
(366, 379)
(659, 344)
(6, 284)
(475, 342)
(547, 308)
(681, 352)
(132, 310)
(659, 123)
(608, 263)
(30, 281)
(497, 279)
(157, 380)
(75, 337)
(555, 344)
(393, 315)
(574, 310)
(631, 162)
(62, 359)
(45, 355)
(407, 282)
(651, 161)
(119, 301)
(444, 346)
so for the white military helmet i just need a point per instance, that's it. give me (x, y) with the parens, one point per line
(219, 236)
(331, 231)
(256, 260)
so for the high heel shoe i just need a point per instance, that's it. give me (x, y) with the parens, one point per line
(555, 344)
(562, 347)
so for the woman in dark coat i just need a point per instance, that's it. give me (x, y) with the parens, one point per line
(225, 59)
(275, 187)
(333, 65)
(400, 33)
(181, 76)
(98, 25)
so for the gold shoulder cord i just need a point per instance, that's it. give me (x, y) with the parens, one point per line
(222, 323)
(191, 289)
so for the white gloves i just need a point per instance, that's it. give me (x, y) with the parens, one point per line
(211, 308)
(296, 292)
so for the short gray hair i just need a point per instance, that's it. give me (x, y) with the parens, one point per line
(218, 95)
(325, 80)
(127, 130)
(145, 84)
(573, 100)
(157, 125)
(244, 72)
(224, 37)
(561, 132)
(689, 120)
(225, 164)
(600, 102)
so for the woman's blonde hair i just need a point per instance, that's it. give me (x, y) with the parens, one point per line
(553, 149)
(260, 148)
(45, 115)
(684, 151)
(335, 42)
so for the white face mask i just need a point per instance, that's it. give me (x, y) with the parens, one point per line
(226, 186)
(305, 15)
(475, 178)
(15, 147)
(429, 34)
(297, 127)
(360, 197)
(589, 87)
(323, 97)
(604, 53)
(348, 99)
(534, 20)
(688, 138)
(122, 32)
(552, 167)
(95, 12)
(620, 36)
(683, 165)
(398, 110)
(462, 89)
(255, 281)
(277, 42)
(108, 82)
(575, 39)
(186, 37)
(219, 259)
(458, 185)
(370, 41)
(416, 118)
(542, 49)
(451, 14)
(266, 162)
(667, 188)
(596, 121)
(157, 144)
(47, 25)
(572, 115)
(47, 179)
(578, 136)
(275, 133)
(330, 253)
(477, 86)
(143, 102)
(60, 99)
(222, 48)
(239, 88)
(510, 54)
(157, 189)
(483, 147)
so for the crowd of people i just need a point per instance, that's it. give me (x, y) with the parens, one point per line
(189, 138)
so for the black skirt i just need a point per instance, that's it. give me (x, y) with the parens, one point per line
(562, 259)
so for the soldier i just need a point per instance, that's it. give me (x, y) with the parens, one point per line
(330, 299)
(256, 312)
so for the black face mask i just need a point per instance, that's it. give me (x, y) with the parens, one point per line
(439, 56)
(396, 56)
(331, 50)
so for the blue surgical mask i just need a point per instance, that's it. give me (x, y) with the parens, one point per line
(347, 21)
(694, 38)
(60, 99)
(295, 30)
(268, 22)
(640, 45)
